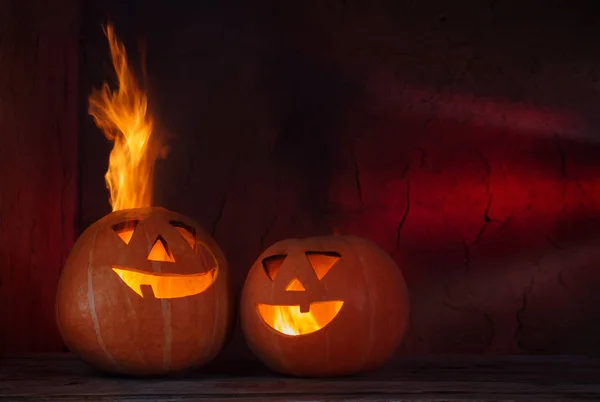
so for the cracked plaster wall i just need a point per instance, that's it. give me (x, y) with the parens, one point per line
(461, 138)
(38, 166)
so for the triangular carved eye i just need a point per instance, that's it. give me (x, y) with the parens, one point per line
(125, 230)
(272, 264)
(321, 262)
(187, 232)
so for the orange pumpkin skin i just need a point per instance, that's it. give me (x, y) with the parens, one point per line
(362, 335)
(142, 330)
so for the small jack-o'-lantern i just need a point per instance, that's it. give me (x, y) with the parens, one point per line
(144, 292)
(324, 306)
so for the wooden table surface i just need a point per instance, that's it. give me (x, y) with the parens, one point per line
(64, 378)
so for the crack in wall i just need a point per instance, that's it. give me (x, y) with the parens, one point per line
(488, 170)
(222, 205)
(486, 219)
(561, 281)
(487, 164)
(491, 327)
(457, 308)
(358, 186)
(268, 229)
(489, 322)
(554, 243)
(508, 219)
(405, 171)
(520, 312)
(404, 215)
(424, 156)
(190, 170)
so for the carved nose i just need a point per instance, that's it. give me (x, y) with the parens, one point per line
(295, 285)
(160, 251)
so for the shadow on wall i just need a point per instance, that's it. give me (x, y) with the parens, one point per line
(495, 228)
(308, 102)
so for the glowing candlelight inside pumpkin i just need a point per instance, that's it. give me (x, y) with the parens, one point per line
(290, 320)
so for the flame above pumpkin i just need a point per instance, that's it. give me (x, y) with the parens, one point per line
(123, 116)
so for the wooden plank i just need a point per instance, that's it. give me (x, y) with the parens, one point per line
(64, 378)
(38, 165)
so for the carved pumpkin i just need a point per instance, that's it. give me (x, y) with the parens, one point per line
(324, 306)
(144, 292)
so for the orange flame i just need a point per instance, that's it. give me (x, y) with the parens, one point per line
(124, 118)
(290, 320)
(167, 286)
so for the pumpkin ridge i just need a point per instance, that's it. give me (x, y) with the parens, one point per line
(216, 315)
(371, 319)
(168, 331)
(92, 304)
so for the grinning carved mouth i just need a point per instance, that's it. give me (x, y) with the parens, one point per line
(166, 286)
(290, 320)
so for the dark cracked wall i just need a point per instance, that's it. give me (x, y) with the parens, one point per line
(38, 166)
(460, 136)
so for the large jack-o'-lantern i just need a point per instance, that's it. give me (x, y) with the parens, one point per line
(144, 290)
(324, 306)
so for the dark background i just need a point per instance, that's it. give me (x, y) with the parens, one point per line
(462, 137)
